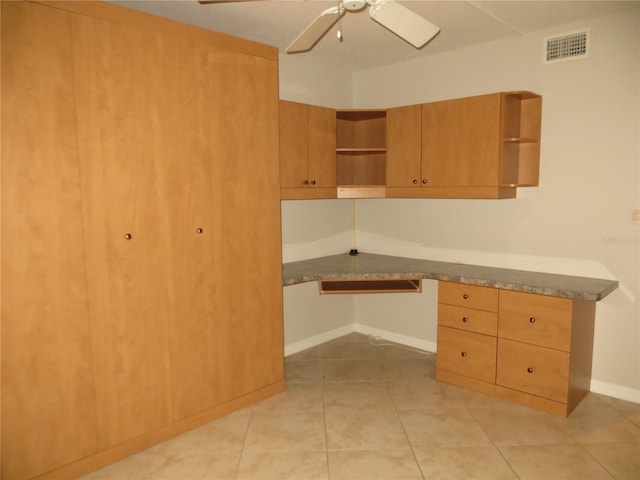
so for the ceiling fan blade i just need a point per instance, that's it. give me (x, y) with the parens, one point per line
(405, 23)
(316, 30)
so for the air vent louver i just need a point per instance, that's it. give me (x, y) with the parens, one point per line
(567, 46)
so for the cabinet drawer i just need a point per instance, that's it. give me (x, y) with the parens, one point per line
(536, 319)
(478, 321)
(536, 370)
(470, 296)
(465, 353)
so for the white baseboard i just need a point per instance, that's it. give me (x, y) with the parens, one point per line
(396, 338)
(615, 391)
(301, 345)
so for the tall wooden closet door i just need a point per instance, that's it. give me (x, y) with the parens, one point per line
(48, 398)
(255, 279)
(195, 152)
(120, 86)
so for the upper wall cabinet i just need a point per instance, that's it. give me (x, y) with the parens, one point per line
(307, 151)
(477, 147)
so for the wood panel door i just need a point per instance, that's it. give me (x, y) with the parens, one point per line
(321, 141)
(254, 285)
(294, 164)
(404, 146)
(120, 87)
(195, 156)
(48, 396)
(461, 142)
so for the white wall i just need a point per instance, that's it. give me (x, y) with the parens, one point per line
(576, 222)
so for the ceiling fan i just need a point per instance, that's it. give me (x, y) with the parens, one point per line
(400, 20)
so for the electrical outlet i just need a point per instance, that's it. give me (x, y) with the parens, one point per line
(635, 215)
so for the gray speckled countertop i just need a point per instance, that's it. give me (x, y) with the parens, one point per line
(373, 266)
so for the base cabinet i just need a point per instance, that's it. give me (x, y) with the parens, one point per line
(542, 345)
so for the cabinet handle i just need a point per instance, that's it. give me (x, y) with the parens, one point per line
(313, 182)
(415, 182)
(128, 236)
(465, 319)
(424, 181)
(463, 354)
(465, 295)
(306, 182)
(199, 230)
(529, 370)
(532, 319)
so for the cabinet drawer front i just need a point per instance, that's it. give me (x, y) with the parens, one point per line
(465, 353)
(536, 370)
(470, 296)
(478, 321)
(536, 319)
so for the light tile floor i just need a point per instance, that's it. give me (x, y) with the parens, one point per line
(357, 409)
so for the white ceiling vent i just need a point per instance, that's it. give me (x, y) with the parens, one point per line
(567, 46)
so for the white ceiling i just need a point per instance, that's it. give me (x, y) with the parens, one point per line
(367, 44)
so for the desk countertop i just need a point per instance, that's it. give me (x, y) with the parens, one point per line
(372, 266)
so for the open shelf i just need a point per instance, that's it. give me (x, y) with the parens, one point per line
(395, 285)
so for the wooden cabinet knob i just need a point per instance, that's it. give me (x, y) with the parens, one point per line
(532, 319)
(199, 230)
(306, 182)
(465, 295)
(424, 181)
(313, 182)
(463, 354)
(529, 370)
(415, 182)
(465, 319)
(128, 236)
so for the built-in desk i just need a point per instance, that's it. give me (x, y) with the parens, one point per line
(523, 336)
(366, 266)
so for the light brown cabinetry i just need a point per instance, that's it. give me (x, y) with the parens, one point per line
(361, 152)
(467, 328)
(307, 151)
(529, 348)
(48, 394)
(129, 183)
(404, 147)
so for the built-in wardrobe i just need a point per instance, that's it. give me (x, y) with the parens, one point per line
(141, 250)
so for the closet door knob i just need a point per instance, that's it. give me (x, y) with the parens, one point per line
(127, 236)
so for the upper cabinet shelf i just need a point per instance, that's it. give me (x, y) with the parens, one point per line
(476, 147)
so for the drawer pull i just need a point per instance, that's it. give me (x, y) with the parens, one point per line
(128, 236)
(463, 354)
(529, 370)
(465, 319)
(532, 319)
(465, 295)
(199, 230)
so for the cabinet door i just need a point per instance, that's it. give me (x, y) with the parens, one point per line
(461, 142)
(120, 85)
(404, 145)
(254, 284)
(321, 136)
(194, 156)
(293, 145)
(48, 397)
